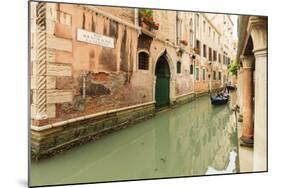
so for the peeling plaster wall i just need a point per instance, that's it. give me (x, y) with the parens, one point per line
(184, 80)
(104, 75)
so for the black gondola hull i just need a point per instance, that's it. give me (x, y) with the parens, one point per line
(220, 101)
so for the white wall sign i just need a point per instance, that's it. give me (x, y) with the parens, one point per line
(94, 38)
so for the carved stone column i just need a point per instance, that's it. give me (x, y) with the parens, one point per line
(258, 28)
(240, 91)
(247, 138)
(40, 67)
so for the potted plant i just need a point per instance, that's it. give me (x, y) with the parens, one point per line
(146, 20)
(184, 42)
(196, 50)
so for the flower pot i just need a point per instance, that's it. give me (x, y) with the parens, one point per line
(144, 25)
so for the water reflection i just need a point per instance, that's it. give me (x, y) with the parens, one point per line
(195, 139)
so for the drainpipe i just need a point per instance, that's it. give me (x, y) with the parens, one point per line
(193, 45)
(177, 29)
(84, 86)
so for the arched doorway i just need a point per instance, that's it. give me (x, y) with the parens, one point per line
(162, 86)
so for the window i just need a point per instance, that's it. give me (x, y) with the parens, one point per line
(197, 73)
(143, 61)
(210, 54)
(191, 39)
(219, 58)
(197, 20)
(214, 75)
(204, 50)
(203, 74)
(209, 31)
(191, 69)
(219, 75)
(178, 67)
(215, 55)
(178, 29)
(214, 35)
(197, 51)
(204, 26)
(225, 61)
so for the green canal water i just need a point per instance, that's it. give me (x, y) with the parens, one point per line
(194, 139)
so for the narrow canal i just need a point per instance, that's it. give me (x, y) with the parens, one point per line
(194, 139)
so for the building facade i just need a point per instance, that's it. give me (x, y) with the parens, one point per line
(252, 82)
(95, 69)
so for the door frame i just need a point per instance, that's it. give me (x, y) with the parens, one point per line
(172, 75)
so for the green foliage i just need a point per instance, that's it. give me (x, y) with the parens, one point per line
(146, 12)
(146, 16)
(232, 68)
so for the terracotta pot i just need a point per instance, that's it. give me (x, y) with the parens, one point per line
(145, 26)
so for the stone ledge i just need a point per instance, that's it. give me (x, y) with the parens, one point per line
(61, 123)
(183, 99)
(77, 132)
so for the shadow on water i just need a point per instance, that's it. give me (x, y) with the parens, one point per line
(194, 139)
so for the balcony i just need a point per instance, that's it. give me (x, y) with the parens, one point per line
(197, 51)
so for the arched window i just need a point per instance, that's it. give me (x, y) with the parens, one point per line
(178, 67)
(143, 61)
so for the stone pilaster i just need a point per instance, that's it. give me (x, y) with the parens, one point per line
(247, 137)
(258, 28)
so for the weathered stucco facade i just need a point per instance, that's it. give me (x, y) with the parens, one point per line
(95, 69)
(213, 47)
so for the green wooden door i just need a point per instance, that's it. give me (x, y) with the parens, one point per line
(162, 92)
(162, 88)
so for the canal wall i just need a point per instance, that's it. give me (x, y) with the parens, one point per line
(183, 99)
(203, 93)
(55, 138)
(49, 140)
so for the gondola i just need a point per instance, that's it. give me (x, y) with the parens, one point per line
(231, 87)
(219, 100)
(226, 95)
